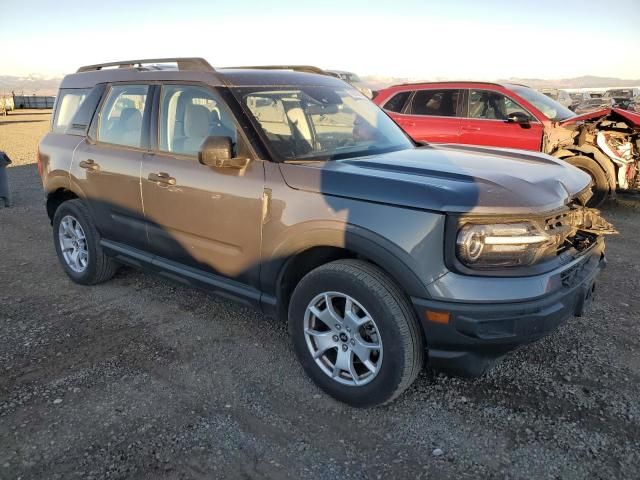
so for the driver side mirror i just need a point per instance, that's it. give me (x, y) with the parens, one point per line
(218, 152)
(518, 117)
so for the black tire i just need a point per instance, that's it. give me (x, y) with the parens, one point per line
(403, 348)
(100, 267)
(600, 187)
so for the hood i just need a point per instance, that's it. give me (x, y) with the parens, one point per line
(447, 178)
(630, 117)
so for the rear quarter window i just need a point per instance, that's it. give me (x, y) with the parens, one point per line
(67, 104)
(397, 102)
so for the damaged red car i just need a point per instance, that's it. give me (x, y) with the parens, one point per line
(604, 143)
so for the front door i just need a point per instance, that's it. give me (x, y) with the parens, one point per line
(204, 218)
(486, 123)
(106, 168)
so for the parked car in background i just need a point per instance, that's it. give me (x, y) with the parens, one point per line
(560, 96)
(352, 79)
(293, 193)
(579, 97)
(592, 105)
(603, 143)
(625, 98)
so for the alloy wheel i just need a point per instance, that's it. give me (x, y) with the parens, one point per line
(73, 244)
(343, 338)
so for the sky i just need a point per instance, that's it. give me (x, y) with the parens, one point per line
(450, 39)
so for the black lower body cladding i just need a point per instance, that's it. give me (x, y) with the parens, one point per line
(477, 334)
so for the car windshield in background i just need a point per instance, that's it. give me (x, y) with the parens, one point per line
(319, 122)
(618, 94)
(549, 107)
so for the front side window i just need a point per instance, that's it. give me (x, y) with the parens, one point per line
(396, 103)
(441, 103)
(121, 115)
(190, 114)
(321, 122)
(68, 103)
(493, 105)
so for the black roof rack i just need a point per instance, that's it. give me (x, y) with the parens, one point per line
(296, 68)
(193, 63)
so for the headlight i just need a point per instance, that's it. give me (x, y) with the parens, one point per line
(501, 245)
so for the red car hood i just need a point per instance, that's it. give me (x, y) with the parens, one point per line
(631, 117)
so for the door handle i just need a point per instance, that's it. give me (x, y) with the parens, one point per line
(471, 129)
(407, 123)
(162, 178)
(89, 165)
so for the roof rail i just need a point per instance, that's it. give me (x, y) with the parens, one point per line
(185, 63)
(296, 68)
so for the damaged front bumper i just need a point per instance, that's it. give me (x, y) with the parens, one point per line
(491, 316)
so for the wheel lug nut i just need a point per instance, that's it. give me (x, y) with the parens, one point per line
(338, 326)
(344, 347)
(335, 338)
(348, 329)
(353, 341)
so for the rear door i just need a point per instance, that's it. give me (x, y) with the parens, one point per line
(432, 115)
(106, 166)
(200, 217)
(485, 122)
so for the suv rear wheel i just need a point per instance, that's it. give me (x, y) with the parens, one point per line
(78, 247)
(355, 333)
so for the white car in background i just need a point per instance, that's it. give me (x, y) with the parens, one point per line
(352, 79)
(560, 96)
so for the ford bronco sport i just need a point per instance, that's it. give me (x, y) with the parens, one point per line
(292, 192)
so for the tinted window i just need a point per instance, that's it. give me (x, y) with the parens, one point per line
(396, 103)
(493, 105)
(188, 115)
(121, 115)
(442, 103)
(68, 103)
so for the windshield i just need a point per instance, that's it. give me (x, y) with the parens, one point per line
(549, 107)
(319, 122)
(618, 93)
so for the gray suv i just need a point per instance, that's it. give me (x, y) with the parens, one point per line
(291, 192)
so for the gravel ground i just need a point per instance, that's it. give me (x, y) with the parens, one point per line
(141, 378)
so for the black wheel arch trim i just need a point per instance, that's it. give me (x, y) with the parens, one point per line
(357, 240)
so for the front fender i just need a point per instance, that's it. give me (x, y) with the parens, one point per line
(397, 262)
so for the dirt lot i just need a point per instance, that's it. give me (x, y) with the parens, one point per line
(140, 378)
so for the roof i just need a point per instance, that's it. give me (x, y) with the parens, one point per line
(196, 70)
(456, 82)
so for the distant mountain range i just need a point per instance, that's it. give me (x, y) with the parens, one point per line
(587, 81)
(40, 85)
(29, 85)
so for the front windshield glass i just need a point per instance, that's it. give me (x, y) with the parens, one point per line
(320, 122)
(549, 107)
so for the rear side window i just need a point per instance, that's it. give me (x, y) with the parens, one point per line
(441, 103)
(67, 104)
(81, 120)
(121, 116)
(397, 102)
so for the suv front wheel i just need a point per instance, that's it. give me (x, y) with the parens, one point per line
(78, 247)
(355, 333)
